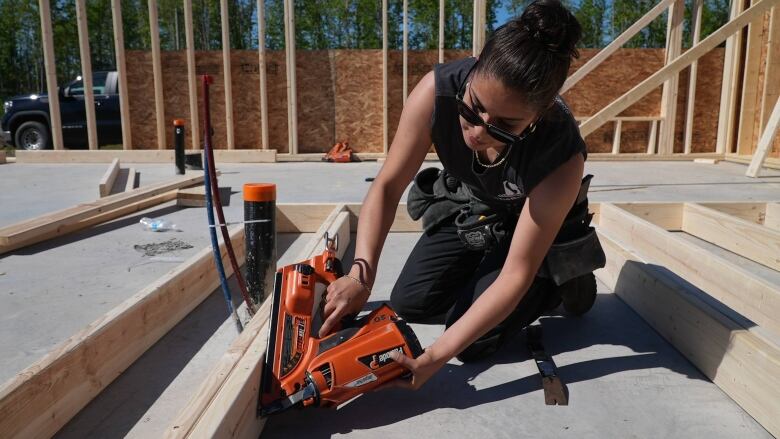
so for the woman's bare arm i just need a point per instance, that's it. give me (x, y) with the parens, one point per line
(407, 152)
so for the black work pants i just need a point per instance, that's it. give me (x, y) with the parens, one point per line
(442, 278)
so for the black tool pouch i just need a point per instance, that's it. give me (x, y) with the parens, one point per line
(479, 232)
(576, 250)
(570, 259)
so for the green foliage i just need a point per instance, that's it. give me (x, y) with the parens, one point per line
(319, 24)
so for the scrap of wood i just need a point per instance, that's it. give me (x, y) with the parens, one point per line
(38, 401)
(2, 158)
(752, 296)
(744, 364)
(131, 180)
(225, 405)
(108, 179)
(196, 196)
(706, 161)
(64, 221)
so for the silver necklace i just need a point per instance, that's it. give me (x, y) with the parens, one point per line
(493, 165)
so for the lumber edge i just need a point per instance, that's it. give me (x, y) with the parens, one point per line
(41, 399)
(226, 402)
(741, 363)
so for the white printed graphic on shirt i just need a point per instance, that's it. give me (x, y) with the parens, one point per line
(512, 191)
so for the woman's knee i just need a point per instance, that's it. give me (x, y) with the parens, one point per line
(411, 305)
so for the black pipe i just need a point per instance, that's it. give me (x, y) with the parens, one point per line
(178, 145)
(260, 239)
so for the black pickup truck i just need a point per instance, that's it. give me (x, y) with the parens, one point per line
(26, 123)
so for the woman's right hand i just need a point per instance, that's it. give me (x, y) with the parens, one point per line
(344, 296)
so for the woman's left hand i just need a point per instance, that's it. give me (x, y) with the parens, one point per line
(422, 368)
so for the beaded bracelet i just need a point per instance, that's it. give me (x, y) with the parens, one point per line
(363, 284)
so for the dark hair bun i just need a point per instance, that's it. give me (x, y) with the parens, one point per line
(553, 26)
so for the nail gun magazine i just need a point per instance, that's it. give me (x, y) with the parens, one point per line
(302, 370)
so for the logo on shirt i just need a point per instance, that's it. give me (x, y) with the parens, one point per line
(512, 191)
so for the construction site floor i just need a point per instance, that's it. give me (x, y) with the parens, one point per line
(624, 379)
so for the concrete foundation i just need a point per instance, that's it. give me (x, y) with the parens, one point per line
(624, 379)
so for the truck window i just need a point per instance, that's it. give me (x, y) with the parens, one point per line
(98, 85)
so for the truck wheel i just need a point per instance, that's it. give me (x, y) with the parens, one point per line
(578, 294)
(32, 136)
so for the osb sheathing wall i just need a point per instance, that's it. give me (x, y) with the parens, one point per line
(340, 96)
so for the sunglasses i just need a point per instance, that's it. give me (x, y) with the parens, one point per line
(472, 117)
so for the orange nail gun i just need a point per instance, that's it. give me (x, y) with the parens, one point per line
(302, 370)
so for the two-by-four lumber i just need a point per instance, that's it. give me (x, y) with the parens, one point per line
(67, 220)
(755, 242)
(86, 74)
(753, 212)
(47, 38)
(749, 295)
(674, 34)
(765, 143)
(749, 101)
(225, 405)
(742, 363)
(121, 70)
(674, 67)
(108, 179)
(38, 401)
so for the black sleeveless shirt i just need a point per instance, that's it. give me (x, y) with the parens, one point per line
(554, 141)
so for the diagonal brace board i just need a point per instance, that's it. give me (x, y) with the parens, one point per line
(751, 296)
(742, 363)
(674, 67)
(616, 44)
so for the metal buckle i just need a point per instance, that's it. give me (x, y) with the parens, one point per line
(331, 244)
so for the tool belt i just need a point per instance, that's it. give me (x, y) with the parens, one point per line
(436, 196)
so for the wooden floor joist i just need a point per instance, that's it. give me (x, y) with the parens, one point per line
(83, 215)
(743, 364)
(226, 403)
(749, 295)
(45, 396)
(753, 241)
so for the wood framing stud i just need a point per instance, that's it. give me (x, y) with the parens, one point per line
(192, 87)
(47, 38)
(86, 74)
(262, 67)
(227, 73)
(159, 99)
(121, 70)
